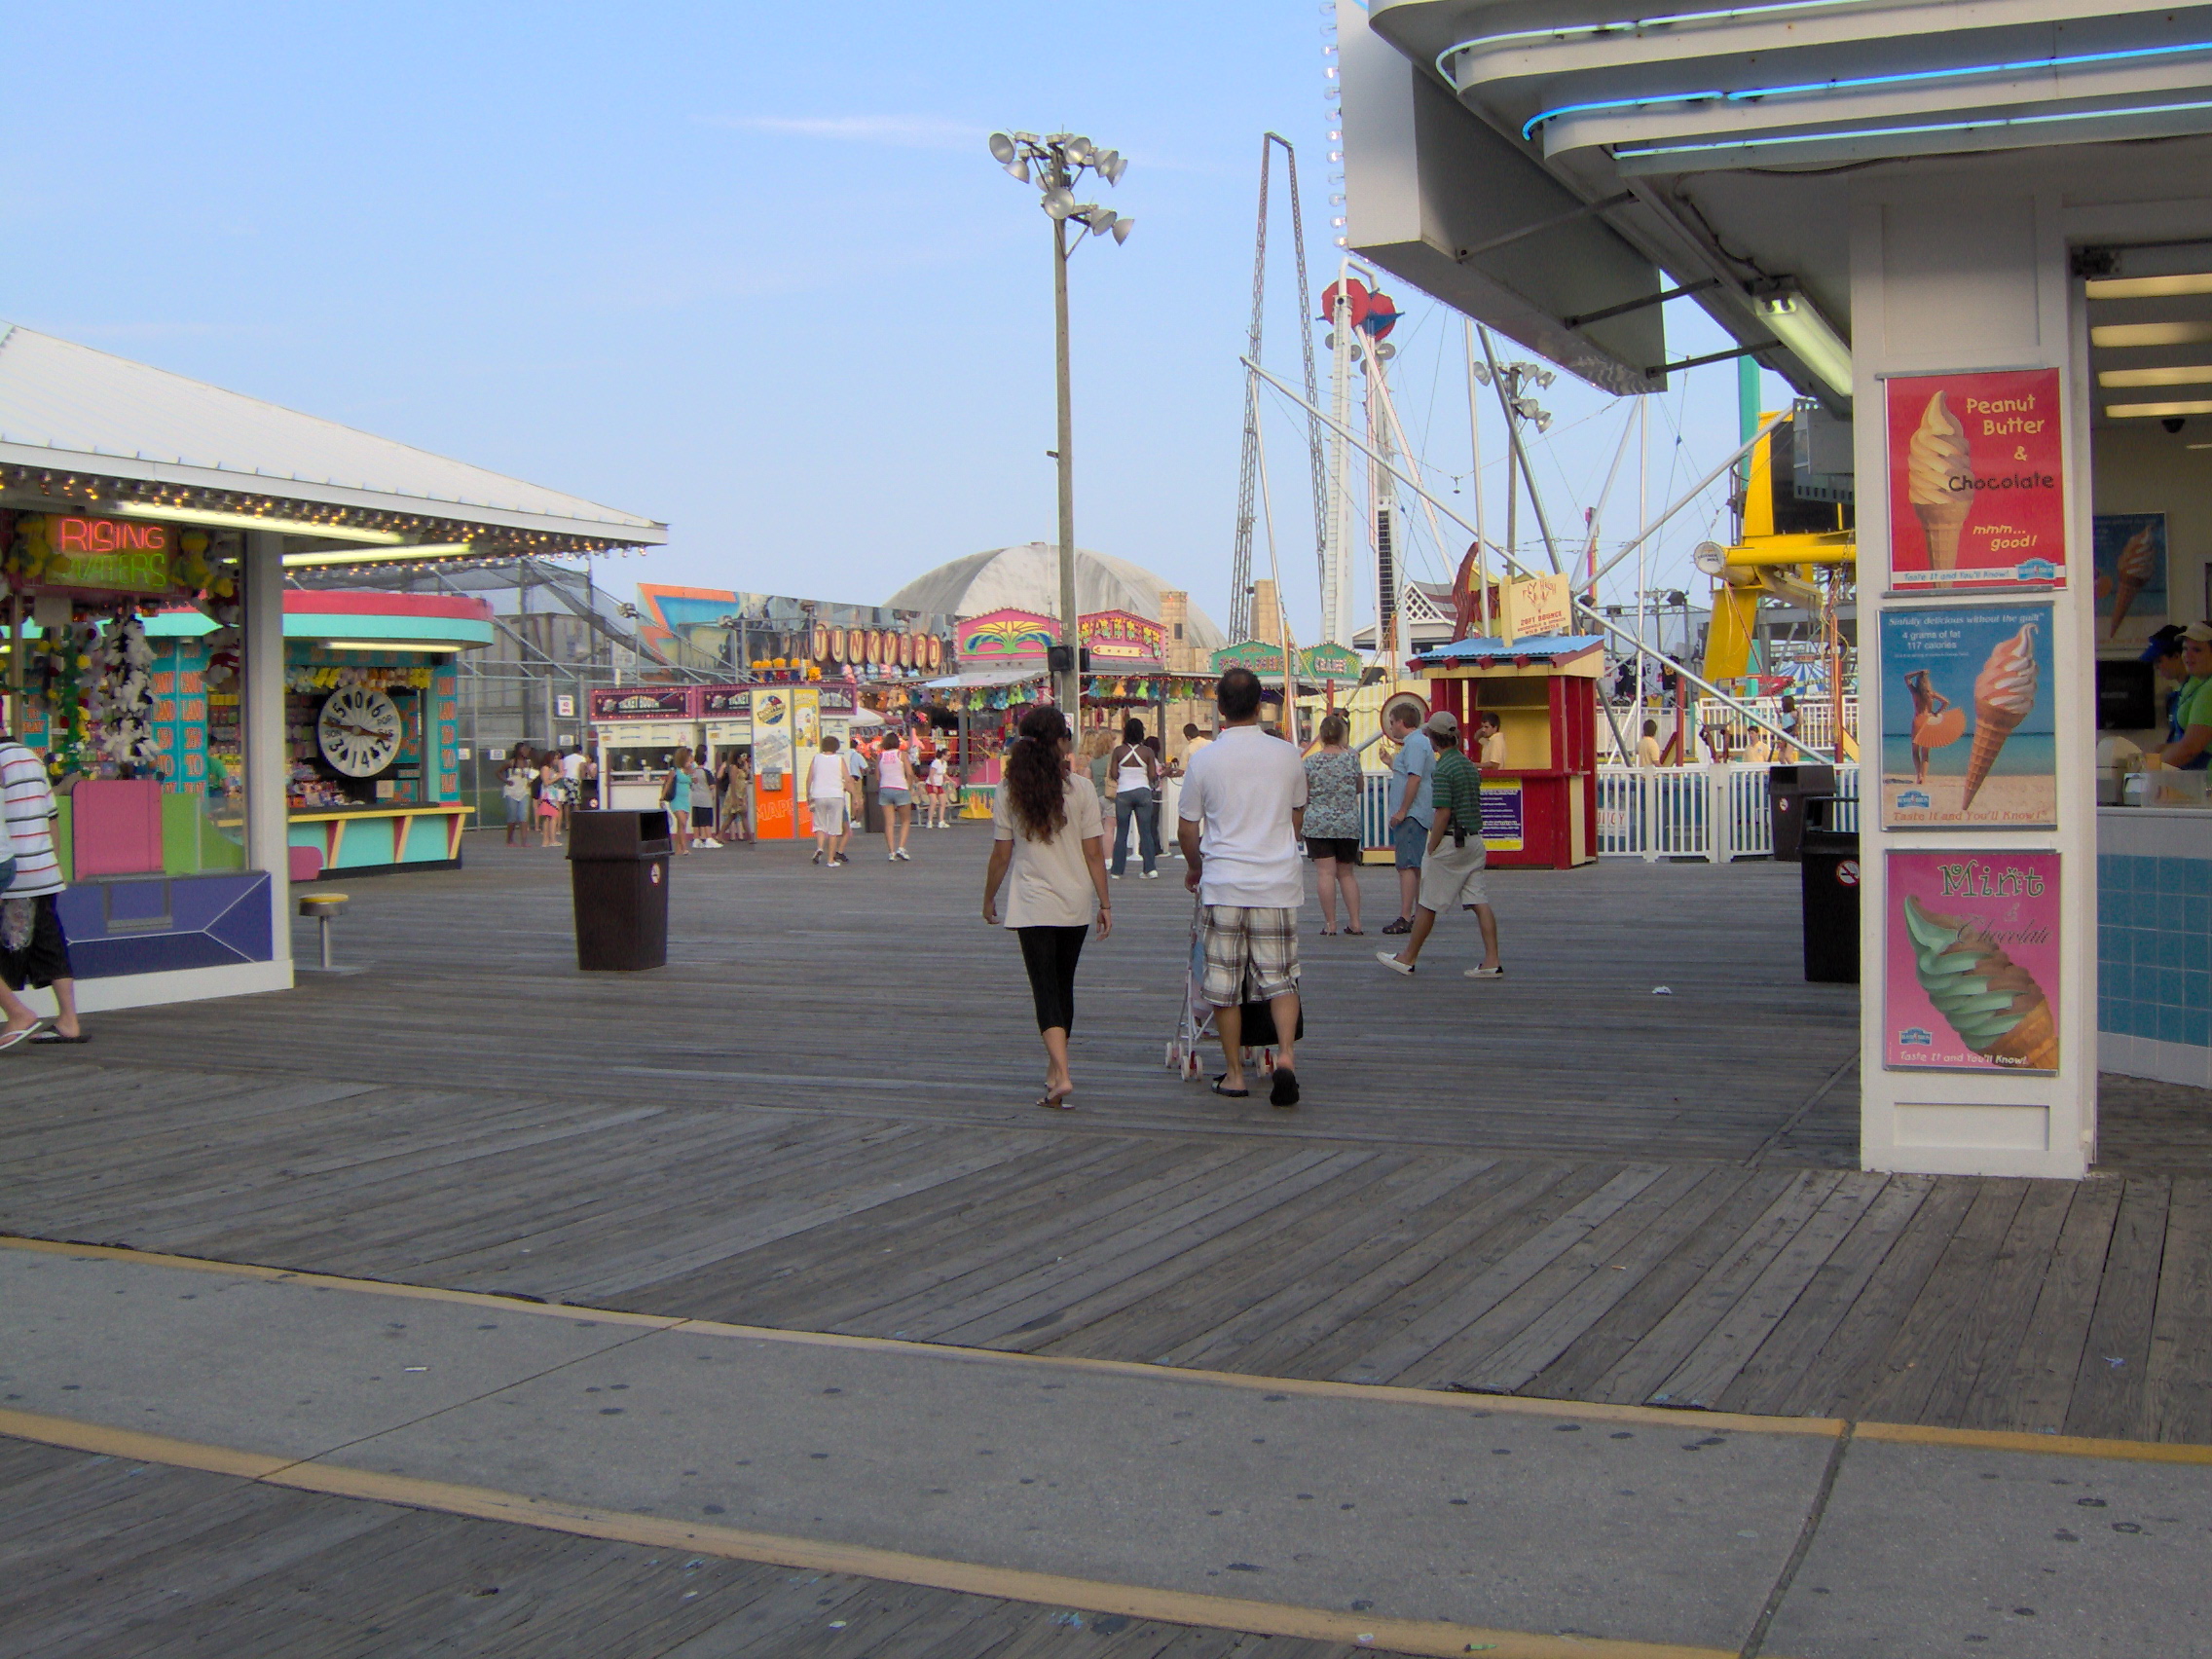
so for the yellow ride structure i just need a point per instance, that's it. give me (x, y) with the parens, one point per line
(1791, 548)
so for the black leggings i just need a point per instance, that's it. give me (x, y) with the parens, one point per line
(1051, 955)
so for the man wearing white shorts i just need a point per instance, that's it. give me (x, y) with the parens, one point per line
(1239, 819)
(1451, 874)
(826, 801)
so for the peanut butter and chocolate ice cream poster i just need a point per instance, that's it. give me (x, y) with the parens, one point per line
(1977, 490)
(1972, 969)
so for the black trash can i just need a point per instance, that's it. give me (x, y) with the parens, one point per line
(618, 873)
(1828, 879)
(1787, 788)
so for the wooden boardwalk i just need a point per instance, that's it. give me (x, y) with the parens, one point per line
(100, 1557)
(816, 1118)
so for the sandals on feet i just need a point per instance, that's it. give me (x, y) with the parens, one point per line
(1231, 1093)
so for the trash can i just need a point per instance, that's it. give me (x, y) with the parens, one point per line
(1828, 879)
(1787, 788)
(618, 875)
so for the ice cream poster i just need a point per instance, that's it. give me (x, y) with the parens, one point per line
(1972, 961)
(1969, 718)
(2129, 553)
(1977, 470)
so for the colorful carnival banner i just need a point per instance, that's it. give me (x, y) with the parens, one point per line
(1977, 497)
(1971, 977)
(1969, 718)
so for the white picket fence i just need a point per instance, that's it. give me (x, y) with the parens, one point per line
(1709, 812)
(1815, 723)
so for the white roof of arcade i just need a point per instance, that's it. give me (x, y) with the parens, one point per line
(67, 407)
(1027, 577)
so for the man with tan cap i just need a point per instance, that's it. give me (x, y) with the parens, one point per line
(1452, 871)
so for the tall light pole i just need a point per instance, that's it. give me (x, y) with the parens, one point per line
(1059, 161)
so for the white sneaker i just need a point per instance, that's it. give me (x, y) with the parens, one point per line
(1152, 876)
(1392, 963)
(904, 857)
(1498, 972)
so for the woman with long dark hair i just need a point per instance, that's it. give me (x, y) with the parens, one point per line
(1048, 830)
(1135, 774)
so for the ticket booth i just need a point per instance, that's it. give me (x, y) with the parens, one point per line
(1540, 807)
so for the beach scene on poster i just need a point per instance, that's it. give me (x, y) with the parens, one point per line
(1975, 468)
(1972, 961)
(1969, 725)
(2128, 551)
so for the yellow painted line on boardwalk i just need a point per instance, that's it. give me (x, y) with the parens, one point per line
(1433, 1399)
(2049, 1445)
(1015, 1584)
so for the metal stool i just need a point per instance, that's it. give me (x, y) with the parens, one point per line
(322, 907)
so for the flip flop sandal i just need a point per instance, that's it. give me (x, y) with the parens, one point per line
(1357, 933)
(16, 1039)
(1060, 1102)
(1230, 1093)
(50, 1036)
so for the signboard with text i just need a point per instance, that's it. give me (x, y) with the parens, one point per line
(101, 555)
(1971, 981)
(1501, 816)
(1977, 487)
(641, 703)
(1540, 605)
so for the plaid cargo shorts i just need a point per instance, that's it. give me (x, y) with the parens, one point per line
(1238, 938)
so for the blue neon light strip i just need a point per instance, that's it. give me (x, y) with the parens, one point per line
(1633, 151)
(1855, 83)
(1632, 25)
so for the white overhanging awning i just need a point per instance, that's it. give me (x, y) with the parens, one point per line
(69, 414)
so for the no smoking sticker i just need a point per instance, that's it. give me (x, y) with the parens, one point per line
(1847, 872)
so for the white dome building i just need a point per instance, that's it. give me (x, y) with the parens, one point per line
(1027, 577)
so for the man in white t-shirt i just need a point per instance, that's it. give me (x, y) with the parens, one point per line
(1240, 817)
(826, 802)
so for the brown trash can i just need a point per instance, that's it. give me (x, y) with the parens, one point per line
(618, 872)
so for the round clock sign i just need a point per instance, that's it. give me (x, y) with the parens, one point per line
(358, 730)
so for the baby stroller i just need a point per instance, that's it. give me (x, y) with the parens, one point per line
(1195, 1029)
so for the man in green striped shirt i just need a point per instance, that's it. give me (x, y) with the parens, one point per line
(1452, 871)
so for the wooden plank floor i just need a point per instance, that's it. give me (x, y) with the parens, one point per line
(100, 1557)
(1505, 1196)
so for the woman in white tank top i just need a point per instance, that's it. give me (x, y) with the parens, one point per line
(1134, 772)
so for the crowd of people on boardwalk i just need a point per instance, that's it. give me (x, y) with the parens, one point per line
(1249, 802)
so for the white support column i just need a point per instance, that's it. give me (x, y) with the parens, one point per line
(1946, 280)
(261, 725)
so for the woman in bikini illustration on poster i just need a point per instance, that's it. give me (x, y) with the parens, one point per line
(1936, 723)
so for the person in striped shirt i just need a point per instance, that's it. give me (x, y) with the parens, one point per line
(34, 950)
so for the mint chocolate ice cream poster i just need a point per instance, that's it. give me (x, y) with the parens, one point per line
(1968, 726)
(1972, 978)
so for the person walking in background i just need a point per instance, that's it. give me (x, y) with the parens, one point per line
(516, 781)
(1045, 831)
(550, 794)
(1332, 823)
(588, 782)
(1453, 872)
(735, 777)
(675, 798)
(1647, 750)
(1134, 772)
(1242, 813)
(572, 785)
(702, 805)
(1194, 742)
(935, 784)
(828, 783)
(894, 791)
(34, 948)
(1412, 777)
(1159, 792)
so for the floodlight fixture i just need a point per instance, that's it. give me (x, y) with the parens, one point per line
(1059, 201)
(1121, 229)
(1003, 150)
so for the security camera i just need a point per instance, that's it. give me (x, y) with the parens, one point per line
(2173, 422)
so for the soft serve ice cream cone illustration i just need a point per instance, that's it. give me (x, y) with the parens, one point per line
(2004, 692)
(1939, 470)
(2137, 563)
(1994, 1005)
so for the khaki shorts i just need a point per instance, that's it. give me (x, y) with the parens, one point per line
(1453, 875)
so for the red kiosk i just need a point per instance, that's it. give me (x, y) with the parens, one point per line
(1540, 807)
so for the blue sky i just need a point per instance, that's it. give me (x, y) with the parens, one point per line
(746, 268)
